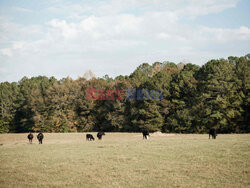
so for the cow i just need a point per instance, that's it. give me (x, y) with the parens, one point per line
(40, 137)
(30, 137)
(145, 134)
(100, 134)
(90, 137)
(212, 132)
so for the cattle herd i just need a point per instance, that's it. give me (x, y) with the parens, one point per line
(39, 137)
(90, 137)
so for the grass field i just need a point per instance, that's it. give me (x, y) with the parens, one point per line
(125, 160)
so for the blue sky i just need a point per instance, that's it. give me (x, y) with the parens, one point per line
(67, 38)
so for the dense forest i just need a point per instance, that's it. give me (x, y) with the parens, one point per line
(194, 99)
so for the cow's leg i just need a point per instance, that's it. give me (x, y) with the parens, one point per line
(146, 137)
(209, 136)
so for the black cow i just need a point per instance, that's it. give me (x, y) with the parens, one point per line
(100, 134)
(145, 134)
(30, 137)
(212, 132)
(40, 137)
(89, 137)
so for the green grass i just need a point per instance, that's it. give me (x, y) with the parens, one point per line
(125, 160)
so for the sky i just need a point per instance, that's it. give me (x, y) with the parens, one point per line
(63, 38)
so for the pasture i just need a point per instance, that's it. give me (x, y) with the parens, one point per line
(125, 160)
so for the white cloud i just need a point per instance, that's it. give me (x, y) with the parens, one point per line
(244, 32)
(20, 9)
(225, 35)
(18, 45)
(163, 35)
(67, 30)
(195, 8)
(89, 23)
(6, 52)
(112, 35)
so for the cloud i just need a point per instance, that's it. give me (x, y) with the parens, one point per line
(113, 37)
(20, 9)
(6, 52)
(195, 8)
(18, 45)
(222, 35)
(67, 30)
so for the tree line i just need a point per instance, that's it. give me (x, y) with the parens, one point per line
(194, 99)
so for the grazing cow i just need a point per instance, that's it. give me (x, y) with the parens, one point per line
(30, 137)
(212, 132)
(89, 137)
(145, 134)
(100, 134)
(40, 137)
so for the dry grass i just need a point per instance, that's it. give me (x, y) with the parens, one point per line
(125, 160)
